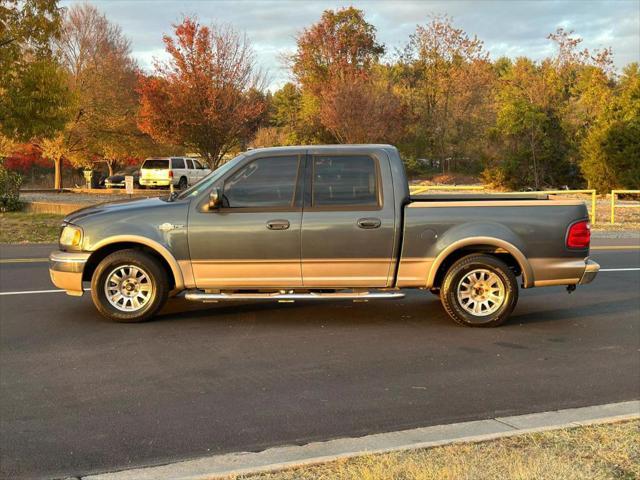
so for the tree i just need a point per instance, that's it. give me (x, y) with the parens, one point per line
(202, 97)
(362, 111)
(33, 91)
(342, 45)
(611, 150)
(533, 146)
(104, 78)
(445, 79)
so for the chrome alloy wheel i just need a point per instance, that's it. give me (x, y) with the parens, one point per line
(481, 292)
(128, 288)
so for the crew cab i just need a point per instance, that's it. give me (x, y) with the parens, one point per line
(180, 172)
(332, 222)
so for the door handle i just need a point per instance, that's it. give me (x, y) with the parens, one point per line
(278, 224)
(369, 223)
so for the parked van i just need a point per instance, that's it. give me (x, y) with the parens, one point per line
(180, 172)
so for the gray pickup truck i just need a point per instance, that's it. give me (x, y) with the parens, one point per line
(321, 223)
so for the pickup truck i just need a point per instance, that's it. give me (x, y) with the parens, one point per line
(333, 222)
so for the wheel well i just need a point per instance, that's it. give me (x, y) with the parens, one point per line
(100, 254)
(492, 250)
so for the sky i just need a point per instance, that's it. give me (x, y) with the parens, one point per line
(507, 28)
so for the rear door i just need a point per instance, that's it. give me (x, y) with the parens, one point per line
(348, 220)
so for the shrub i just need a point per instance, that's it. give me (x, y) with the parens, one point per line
(10, 183)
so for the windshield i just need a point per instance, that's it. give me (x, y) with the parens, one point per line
(156, 164)
(207, 181)
(127, 171)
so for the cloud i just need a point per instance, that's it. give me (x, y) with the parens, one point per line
(510, 28)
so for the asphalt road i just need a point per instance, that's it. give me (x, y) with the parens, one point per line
(81, 395)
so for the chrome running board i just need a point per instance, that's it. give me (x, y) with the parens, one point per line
(288, 297)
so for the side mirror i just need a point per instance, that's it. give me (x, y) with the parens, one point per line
(215, 199)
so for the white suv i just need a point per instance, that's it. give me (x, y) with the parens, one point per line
(178, 171)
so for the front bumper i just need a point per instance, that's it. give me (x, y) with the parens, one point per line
(590, 272)
(65, 270)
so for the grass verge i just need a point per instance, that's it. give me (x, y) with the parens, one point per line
(605, 451)
(21, 227)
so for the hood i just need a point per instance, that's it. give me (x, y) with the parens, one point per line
(121, 206)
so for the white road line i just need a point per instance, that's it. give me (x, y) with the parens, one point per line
(619, 269)
(29, 292)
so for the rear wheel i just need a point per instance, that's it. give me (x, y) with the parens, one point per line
(183, 183)
(129, 286)
(479, 291)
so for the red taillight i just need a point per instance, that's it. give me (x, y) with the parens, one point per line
(579, 235)
(170, 173)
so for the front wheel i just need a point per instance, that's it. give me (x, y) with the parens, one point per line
(129, 286)
(479, 291)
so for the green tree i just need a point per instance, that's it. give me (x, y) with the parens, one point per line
(33, 91)
(445, 79)
(532, 147)
(611, 149)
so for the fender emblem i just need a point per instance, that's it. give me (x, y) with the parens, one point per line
(167, 227)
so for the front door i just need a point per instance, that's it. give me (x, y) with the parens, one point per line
(253, 240)
(348, 223)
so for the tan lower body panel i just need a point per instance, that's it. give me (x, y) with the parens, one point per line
(317, 273)
(69, 281)
(556, 271)
(413, 272)
(247, 273)
(345, 272)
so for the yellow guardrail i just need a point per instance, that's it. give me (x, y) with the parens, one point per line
(414, 189)
(614, 195)
(423, 188)
(591, 192)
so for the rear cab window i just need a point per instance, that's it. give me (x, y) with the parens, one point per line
(344, 181)
(156, 164)
(177, 163)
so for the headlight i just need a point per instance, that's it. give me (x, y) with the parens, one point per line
(71, 236)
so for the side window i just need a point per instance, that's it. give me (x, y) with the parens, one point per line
(177, 163)
(189, 164)
(198, 165)
(344, 180)
(266, 182)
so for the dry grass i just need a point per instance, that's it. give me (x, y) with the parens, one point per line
(609, 451)
(21, 227)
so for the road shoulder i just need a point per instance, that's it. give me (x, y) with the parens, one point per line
(243, 463)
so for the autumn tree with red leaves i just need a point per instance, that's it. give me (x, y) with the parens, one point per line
(203, 97)
(335, 64)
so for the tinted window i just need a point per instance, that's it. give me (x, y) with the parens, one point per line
(267, 182)
(348, 180)
(198, 165)
(156, 163)
(189, 164)
(177, 163)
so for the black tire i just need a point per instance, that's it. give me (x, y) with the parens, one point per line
(469, 265)
(156, 277)
(183, 183)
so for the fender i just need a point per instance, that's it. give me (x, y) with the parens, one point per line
(157, 247)
(527, 272)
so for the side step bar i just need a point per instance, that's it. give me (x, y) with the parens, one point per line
(218, 297)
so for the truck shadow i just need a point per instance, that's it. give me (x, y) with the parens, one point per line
(415, 308)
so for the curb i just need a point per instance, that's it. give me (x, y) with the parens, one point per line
(279, 458)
